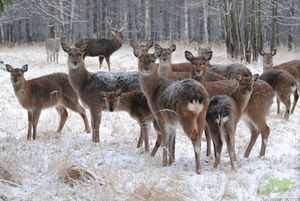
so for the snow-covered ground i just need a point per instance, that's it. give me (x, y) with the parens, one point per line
(124, 172)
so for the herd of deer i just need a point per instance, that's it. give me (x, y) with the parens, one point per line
(197, 96)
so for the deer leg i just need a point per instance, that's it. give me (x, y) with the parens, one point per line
(80, 110)
(296, 97)
(144, 135)
(140, 140)
(47, 56)
(30, 122)
(278, 105)
(108, 62)
(101, 58)
(96, 120)
(158, 138)
(229, 139)
(173, 133)
(56, 59)
(287, 102)
(208, 141)
(171, 145)
(35, 118)
(63, 117)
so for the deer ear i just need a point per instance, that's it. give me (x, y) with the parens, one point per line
(255, 77)
(273, 52)
(150, 44)
(173, 47)
(65, 47)
(9, 68)
(208, 55)
(24, 68)
(83, 48)
(261, 52)
(188, 55)
(137, 52)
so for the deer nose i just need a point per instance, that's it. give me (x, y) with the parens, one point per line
(111, 108)
(75, 63)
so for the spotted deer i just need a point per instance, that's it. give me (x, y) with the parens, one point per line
(90, 86)
(173, 103)
(223, 114)
(135, 104)
(102, 47)
(258, 106)
(53, 90)
(293, 67)
(52, 48)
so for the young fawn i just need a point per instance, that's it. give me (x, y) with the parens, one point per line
(90, 86)
(43, 92)
(223, 114)
(284, 85)
(52, 48)
(258, 106)
(135, 104)
(293, 67)
(182, 102)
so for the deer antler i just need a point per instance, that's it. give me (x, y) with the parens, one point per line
(125, 23)
(109, 22)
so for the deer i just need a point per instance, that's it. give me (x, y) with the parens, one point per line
(90, 86)
(223, 114)
(258, 106)
(230, 71)
(102, 47)
(52, 48)
(143, 45)
(53, 90)
(135, 104)
(178, 71)
(293, 67)
(284, 85)
(173, 103)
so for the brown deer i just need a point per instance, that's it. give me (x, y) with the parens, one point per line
(182, 102)
(52, 48)
(103, 47)
(178, 71)
(90, 86)
(143, 45)
(284, 85)
(258, 106)
(135, 104)
(223, 114)
(230, 71)
(44, 92)
(293, 67)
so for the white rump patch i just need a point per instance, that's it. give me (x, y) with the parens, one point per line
(195, 106)
(222, 120)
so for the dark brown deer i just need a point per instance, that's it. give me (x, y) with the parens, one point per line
(258, 106)
(223, 114)
(182, 102)
(44, 92)
(293, 67)
(90, 86)
(103, 47)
